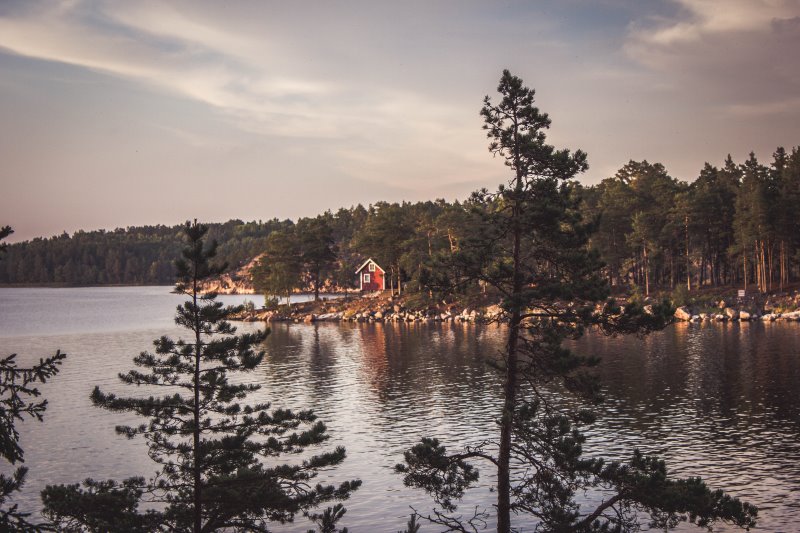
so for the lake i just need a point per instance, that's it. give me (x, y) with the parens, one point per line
(719, 400)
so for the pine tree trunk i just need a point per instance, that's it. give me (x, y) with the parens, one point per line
(770, 256)
(198, 517)
(744, 264)
(646, 273)
(688, 260)
(509, 403)
(783, 263)
(399, 288)
(757, 262)
(671, 271)
(510, 385)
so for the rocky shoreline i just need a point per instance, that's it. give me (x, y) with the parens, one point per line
(684, 314)
(770, 309)
(372, 308)
(380, 307)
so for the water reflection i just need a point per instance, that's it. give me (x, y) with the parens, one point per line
(717, 400)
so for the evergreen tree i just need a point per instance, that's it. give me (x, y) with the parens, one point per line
(754, 231)
(217, 457)
(278, 271)
(785, 176)
(383, 237)
(5, 231)
(711, 206)
(317, 249)
(612, 210)
(18, 393)
(532, 250)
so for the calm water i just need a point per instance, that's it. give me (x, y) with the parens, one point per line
(720, 401)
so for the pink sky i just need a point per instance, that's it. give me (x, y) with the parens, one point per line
(129, 113)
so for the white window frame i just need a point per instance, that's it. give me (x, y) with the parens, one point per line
(366, 278)
(371, 267)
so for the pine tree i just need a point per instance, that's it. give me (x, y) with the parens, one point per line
(317, 251)
(532, 250)
(753, 222)
(382, 238)
(18, 393)
(277, 273)
(217, 456)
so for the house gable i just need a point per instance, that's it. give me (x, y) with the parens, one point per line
(371, 277)
(370, 262)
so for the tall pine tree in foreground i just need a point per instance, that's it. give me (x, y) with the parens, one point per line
(18, 400)
(217, 456)
(530, 247)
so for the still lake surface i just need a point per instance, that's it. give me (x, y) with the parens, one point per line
(717, 400)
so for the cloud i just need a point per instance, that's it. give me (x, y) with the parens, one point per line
(315, 104)
(265, 76)
(731, 54)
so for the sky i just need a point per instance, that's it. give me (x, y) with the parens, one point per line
(120, 113)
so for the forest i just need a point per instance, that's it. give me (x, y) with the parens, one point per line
(735, 225)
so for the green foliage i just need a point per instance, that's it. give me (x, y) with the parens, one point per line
(734, 224)
(5, 231)
(133, 255)
(445, 477)
(384, 237)
(18, 401)
(100, 506)
(412, 526)
(278, 271)
(18, 393)
(328, 520)
(317, 250)
(531, 248)
(217, 456)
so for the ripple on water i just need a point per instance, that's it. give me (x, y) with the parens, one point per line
(720, 402)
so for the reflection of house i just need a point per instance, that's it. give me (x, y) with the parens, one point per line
(371, 277)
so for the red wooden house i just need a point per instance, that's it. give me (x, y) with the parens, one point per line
(371, 277)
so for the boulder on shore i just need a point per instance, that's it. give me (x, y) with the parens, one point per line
(731, 313)
(682, 313)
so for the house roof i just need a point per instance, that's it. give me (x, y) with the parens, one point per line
(368, 261)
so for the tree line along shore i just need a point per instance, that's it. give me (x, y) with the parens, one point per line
(736, 225)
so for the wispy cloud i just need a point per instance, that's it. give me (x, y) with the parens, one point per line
(315, 104)
(732, 52)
